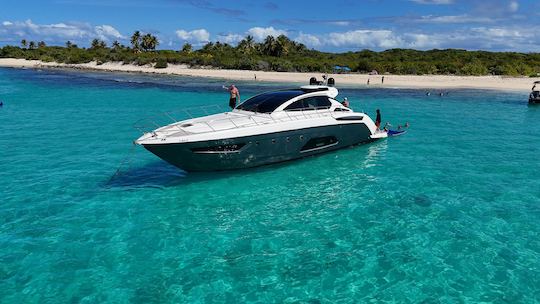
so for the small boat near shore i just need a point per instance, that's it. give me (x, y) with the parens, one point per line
(534, 97)
(272, 127)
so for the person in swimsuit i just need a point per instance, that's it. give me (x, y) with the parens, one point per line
(235, 95)
(378, 119)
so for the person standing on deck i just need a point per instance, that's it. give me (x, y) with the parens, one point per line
(235, 95)
(378, 119)
(345, 102)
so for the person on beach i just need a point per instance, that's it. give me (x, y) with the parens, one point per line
(382, 80)
(235, 95)
(378, 119)
(368, 81)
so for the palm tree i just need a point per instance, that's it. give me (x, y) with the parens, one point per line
(95, 44)
(149, 42)
(300, 47)
(269, 46)
(116, 45)
(247, 45)
(41, 44)
(187, 48)
(218, 46)
(283, 44)
(32, 45)
(136, 41)
(24, 43)
(250, 42)
(98, 44)
(208, 47)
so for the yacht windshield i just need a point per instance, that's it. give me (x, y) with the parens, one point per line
(268, 102)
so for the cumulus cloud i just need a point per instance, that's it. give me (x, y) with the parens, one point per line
(197, 36)
(57, 32)
(107, 31)
(260, 33)
(309, 40)
(476, 38)
(230, 38)
(422, 41)
(365, 38)
(200, 36)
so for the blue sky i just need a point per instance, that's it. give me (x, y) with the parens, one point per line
(331, 25)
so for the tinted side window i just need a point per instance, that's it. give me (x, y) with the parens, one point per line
(268, 102)
(310, 103)
(295, 106)
(319, 102)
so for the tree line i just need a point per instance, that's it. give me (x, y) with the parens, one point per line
(283, 54)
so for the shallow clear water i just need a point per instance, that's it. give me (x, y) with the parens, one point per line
(449, 212)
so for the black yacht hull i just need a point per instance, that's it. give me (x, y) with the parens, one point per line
(534, 100)
(259, 150)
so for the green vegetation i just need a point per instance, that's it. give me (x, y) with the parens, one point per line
(282, 54)
(161, 63)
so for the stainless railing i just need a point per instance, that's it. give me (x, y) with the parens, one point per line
(248, 119)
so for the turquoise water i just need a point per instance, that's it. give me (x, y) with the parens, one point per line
(448, 213)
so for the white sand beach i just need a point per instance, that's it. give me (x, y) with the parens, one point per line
(522, 84)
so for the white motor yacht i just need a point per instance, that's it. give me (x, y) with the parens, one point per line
(268, 128)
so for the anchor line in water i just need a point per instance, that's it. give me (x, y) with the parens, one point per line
(127, 160)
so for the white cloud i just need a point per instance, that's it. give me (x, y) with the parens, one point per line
(198, 36)
(510, 33)
(58, 32)
(339, 23)
(513, 6)
(230, 38)
(106, 31)
(479, 38)
(260, 33)
(309, 40)
(454, 19)
(365, 38)
(423, 41)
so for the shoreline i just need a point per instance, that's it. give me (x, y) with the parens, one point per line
(503, 83)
